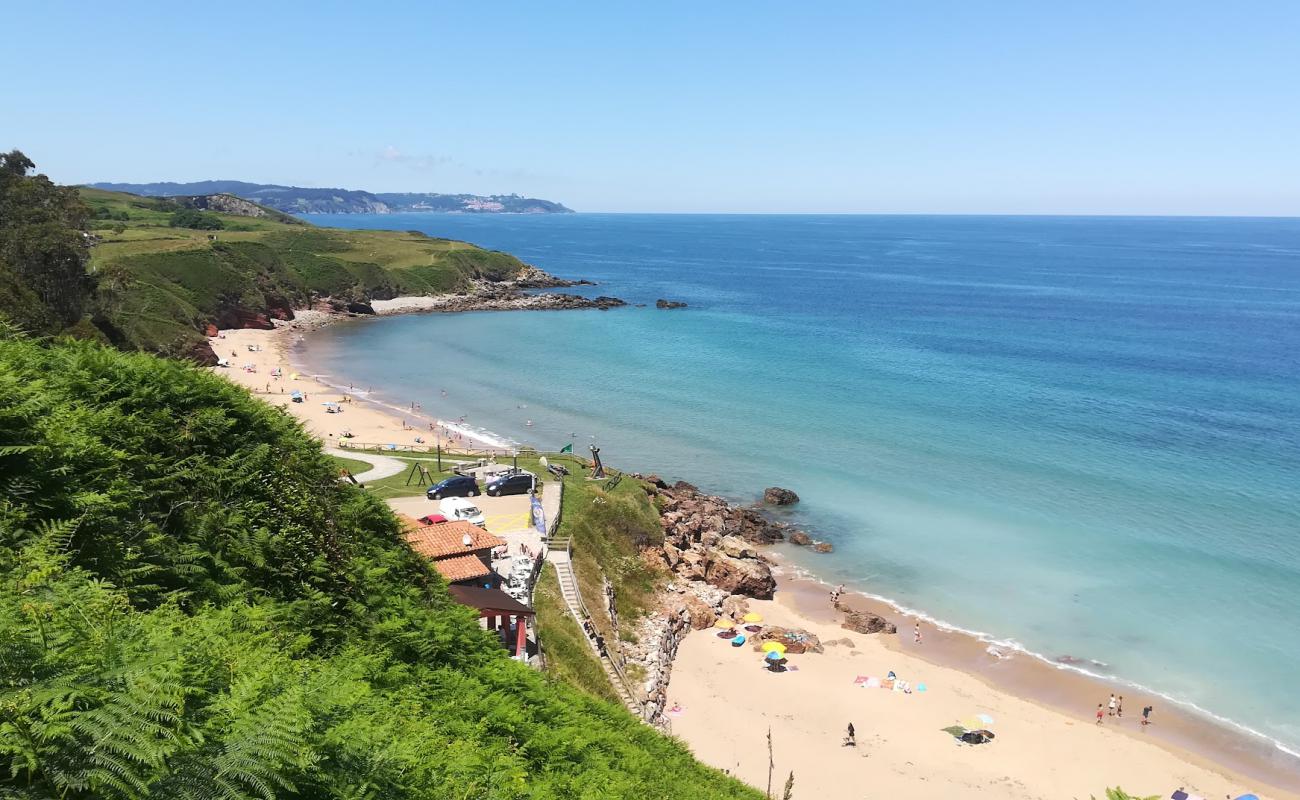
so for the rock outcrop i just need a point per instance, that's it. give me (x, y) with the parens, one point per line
(800, 538)
(707, 539)
(775, 495)
(867, 622)
(662, 303)
(533, 278)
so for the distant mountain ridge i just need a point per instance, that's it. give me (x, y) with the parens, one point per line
(303, 200)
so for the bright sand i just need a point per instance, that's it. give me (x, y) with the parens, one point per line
(729, 701)
(368, 422)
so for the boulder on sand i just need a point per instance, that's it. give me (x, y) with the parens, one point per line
(775, 495)
(748, 576)
(796, 640)
(866, 622)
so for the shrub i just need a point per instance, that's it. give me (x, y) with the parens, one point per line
(197, 220)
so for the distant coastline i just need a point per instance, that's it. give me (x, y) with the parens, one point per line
(308, 200)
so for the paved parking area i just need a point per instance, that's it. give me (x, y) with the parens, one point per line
(503, 514)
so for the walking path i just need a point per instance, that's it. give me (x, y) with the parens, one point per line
(380, 466)
(559, 558)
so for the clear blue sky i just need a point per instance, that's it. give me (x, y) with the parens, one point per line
(1189, 107)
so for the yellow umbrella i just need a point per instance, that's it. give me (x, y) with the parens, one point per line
(973, 724)
(293, 376)
(752, 617)
(773, 647)
(724, 623)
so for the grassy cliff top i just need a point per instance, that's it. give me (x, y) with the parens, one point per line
(168, 268)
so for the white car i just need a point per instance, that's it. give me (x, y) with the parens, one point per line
(454, 508)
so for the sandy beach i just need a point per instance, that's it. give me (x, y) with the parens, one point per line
(728, 701)
(255, 355)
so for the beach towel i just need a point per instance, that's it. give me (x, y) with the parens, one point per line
(887, 683)
(873, 683)
(860, 680)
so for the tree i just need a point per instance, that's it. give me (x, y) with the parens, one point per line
(198, 220)
(43, 248)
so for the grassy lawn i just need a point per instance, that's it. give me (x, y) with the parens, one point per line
(352, 465)
(568, 657)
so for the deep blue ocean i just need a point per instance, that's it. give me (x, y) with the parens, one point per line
(1080, 435)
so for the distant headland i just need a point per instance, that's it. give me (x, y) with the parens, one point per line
(303, 200)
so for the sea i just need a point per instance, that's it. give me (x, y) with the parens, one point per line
(1078, 437)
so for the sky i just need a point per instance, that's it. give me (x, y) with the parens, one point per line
(896, 106)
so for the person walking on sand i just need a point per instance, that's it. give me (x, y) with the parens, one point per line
(1111, 705)
(916, 634)
(1146, 715)
(851, 741)
(1100, 713)
(1119, 706)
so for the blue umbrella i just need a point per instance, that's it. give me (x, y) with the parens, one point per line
(1248, 797)
(774, 656)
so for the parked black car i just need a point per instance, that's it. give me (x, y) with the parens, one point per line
(455, 486)
(516, 483)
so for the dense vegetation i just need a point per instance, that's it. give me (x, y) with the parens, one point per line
(192, 606)
(152, 273)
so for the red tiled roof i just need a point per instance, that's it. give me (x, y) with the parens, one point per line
(448, 539)
(461, 568)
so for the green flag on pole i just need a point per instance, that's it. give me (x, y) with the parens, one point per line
(568, 448)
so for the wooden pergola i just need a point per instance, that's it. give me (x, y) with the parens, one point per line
(496, 607)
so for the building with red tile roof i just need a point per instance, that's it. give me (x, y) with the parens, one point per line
(461, 552)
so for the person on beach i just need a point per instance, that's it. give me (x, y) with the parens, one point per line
(1119, 706)
(851, 741)
(1146, 715)
(916, 634)
(1111, 712)
(1100, 713)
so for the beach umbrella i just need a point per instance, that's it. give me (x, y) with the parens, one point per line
(972, 724)
(772, 655)
(752, 617)
(1248, 797)
(773, 647)
(293, 376)
(985, 718)
(724, 623)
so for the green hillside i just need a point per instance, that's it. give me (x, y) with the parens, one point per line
(155, 272)
(192, 606)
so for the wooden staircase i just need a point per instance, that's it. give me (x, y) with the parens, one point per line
(559, 554)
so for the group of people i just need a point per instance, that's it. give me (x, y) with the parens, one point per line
(1115, 708)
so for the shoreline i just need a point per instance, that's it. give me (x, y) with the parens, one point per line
(1212, 743)
(1218, 743)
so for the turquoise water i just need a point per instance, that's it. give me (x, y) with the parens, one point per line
(1079, 435)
